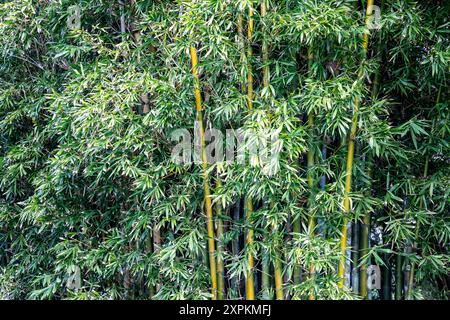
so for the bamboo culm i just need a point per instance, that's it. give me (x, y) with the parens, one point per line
(249, 283)
(220, 248)
(206, 187)
(349, 163)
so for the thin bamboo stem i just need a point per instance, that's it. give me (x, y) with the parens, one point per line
(235, 247)
(123, 27)
(206, 187)
(279, 294)
(398, 277)
(265, 58)
(365, 233)
(250, 29)
(220, 249)
(365, 227)
(310, 178)
(387, 279)
(265, 50)
(349, 164)
(266, 82)
(265, 277)
(241, 43)
(249, 283)
(356, 242)
(417, 230)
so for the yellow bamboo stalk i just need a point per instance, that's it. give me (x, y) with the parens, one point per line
(278, 280)
(208, 202)
(349, 164)
(249, 57)
(249, 283)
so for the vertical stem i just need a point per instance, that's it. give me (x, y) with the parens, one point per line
(249, 58)
(241, 43)
(249, 283)
(416, 235)
(278, 278)
(149, 246)
(398, 278)
(349, 164)
(265, 277)
(123, 27)
(207, 192)
(387, 279)
(365, 233)
(265, 49)
(156, 247)
(365, 227)
(220, 249)
(310, 178)
(265, 59)
(355, 256)
(266, 82)
(235, 248)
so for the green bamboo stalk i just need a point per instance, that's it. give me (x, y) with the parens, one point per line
(250, 29)
(356, 242)
(365, 233)
(235, 247)
(265, 57)
(398, 277)
(387, 278)
(349, 164)
(266, 82)
(206, 187)
(265, 277)
(417, 230)
(365, 228)
(310, 178)
(265, 50)
(220, 248)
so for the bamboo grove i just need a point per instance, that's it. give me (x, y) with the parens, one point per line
(92, 206)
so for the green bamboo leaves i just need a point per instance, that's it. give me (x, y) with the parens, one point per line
(88, 182)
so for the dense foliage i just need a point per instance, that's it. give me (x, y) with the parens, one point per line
(89, 192)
